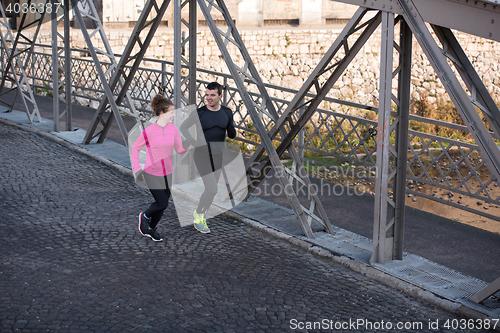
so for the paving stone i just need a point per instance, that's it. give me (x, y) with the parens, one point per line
(73, 260)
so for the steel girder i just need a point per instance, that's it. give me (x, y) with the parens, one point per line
(486, 292)
(401, 136)
(120, 76)
(180, 58)
(62, 121)
(328, 70)
(381, 241)
(15, 70)
(485, 141)
(465, 104)
(184, 62)
(93, 15)
(389, 213)
(479, 95)
(479, 18)
(257, 111)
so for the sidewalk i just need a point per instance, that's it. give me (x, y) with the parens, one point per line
(446, 285)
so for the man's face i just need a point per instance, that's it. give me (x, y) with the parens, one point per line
(212, 98)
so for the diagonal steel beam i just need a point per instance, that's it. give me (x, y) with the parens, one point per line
(312, 82)
(249, 73)
(15, 65)
(93, 15)
(119, 75)
(478, 17)
(489, 149)
(480, 96)
(486, 292)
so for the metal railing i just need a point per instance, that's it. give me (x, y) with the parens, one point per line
(437, 163)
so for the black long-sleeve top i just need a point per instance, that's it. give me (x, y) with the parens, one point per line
(214, 124)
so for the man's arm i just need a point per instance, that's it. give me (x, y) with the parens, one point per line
(186, 125)
(231, 131)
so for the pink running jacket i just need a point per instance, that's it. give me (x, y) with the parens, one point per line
(160, 142)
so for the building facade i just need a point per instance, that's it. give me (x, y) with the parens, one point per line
(245, 13)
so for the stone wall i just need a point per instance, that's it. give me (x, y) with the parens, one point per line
(286, 57)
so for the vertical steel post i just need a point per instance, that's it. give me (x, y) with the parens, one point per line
(402, 120)
(62, 121)
(382, 246)
(193, 23)
(179, 59)
(163, 79)
(300, 136)
(184, 63)
(55, 69)
(67, 68)
(177, 91)
(177, 54)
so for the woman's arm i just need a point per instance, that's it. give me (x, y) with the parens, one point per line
(178, 142)
(136, 148)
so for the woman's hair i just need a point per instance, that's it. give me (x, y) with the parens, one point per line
(160, 104)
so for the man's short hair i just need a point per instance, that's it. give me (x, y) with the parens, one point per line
(215, 86)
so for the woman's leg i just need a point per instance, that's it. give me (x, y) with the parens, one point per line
(160, 189)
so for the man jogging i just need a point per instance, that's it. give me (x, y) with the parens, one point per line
(216, 121)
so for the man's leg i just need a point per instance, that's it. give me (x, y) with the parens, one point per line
(204, 166)
(210, 174)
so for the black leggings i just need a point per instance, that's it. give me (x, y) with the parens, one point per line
(160, 189)
(209, 167)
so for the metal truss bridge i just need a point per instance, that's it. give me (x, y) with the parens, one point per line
(280, 124)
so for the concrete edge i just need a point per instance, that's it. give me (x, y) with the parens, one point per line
(367, 270)
(70, 145)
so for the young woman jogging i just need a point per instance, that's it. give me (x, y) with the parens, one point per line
(160, 139)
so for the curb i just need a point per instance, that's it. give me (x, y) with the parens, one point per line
(70, 145)
(367, 270)
(356, 266)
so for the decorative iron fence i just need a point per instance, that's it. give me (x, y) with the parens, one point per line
(439, 168)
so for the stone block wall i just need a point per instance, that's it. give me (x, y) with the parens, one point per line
(286, 57)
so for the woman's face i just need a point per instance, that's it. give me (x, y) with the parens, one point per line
(168, 114)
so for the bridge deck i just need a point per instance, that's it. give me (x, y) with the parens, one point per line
(446, 257)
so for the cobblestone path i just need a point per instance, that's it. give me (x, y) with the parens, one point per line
(72, 260)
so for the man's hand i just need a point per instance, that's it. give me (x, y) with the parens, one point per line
(186, 143)
(139, 176)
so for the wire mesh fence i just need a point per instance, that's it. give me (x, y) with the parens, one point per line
(334, 145)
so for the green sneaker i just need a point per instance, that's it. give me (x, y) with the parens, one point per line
(200, 223)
